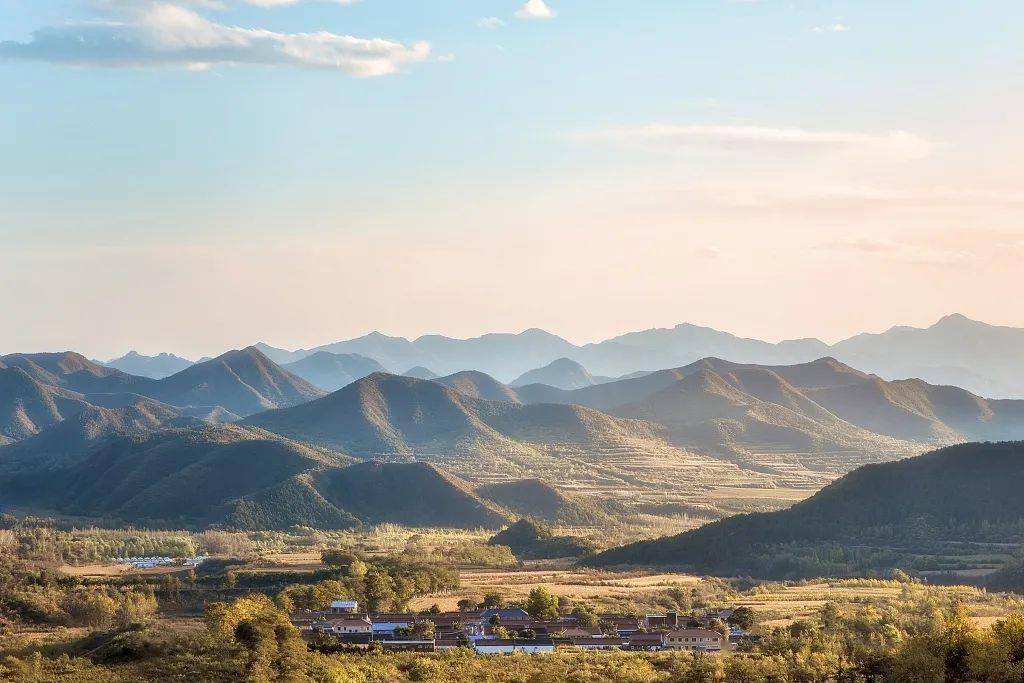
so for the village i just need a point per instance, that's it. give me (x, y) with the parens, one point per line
(506, 630)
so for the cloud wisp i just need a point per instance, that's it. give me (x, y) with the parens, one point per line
(832, 28)
(168, 35)
(490, 22)
(535, 9)
(897, 144)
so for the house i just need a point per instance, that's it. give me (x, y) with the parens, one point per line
(447, 642)
(647, 640)
(497, 646)
(388, 623)
(345, 626)
(667, 620)
(598, 642)
(505, 614)
(344, 607)
(625, 626)
(694, 639)
(581, 632)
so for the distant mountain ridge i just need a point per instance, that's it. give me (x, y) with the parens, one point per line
(155, 367)
(332, 371)
(985, 359)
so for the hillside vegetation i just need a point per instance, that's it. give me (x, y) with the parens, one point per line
(958, 501)
(246, 478)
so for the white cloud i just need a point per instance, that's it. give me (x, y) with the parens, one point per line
(897, 144)
(535, 9)
(833, 28)
(162, 34)
(490, 22)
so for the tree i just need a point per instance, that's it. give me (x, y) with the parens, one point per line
(434, 609)
(493, 600)
(542, 604)
(742, 617)
(424, 630)
(585, 616)
(135, 607)
(338, 557)
(90, 608)
(467, 605)
(380, 590)
(357, 568)
(275, 650)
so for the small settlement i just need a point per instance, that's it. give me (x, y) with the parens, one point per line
(508, 630)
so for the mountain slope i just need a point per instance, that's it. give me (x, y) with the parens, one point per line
(154, 367)
(985, 359)
(479, 385)
(28, 406)
(536, 499)
(561, 374)
(957, 495)
(332, 371)
(420, 372)
(72, 439)
(244, 382)
(247, 478)
(387, 414)
(398, 492)
(74, 372)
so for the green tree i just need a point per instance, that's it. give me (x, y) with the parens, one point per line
(585, 616)
(92, 608)
(742, 617)
(542, 604)
(492, 599)
(380, 590)
(424, 630)
(467, 605)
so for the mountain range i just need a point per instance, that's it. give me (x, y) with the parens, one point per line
(985, 359)
(245, 478)
(935, 514)
(651, 441)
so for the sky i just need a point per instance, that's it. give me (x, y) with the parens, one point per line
(198, 175)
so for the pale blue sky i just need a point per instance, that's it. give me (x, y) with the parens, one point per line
(615, 166)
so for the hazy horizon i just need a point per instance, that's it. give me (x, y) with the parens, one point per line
(191, 176)
(413, 337)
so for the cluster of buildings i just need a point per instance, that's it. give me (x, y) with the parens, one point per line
(151, 562)
(508, 630)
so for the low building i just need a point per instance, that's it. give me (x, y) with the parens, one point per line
(344, 607)
(496, 646)
(389, 623)
(624, 625)
(598, 642)
(668, 620)
(647, 640)
(581, 632)
(694, 639)
(345, 626)
(510, 614)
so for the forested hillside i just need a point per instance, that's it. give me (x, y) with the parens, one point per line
(958, 500)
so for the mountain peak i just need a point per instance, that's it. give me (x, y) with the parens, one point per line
(957, 320)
